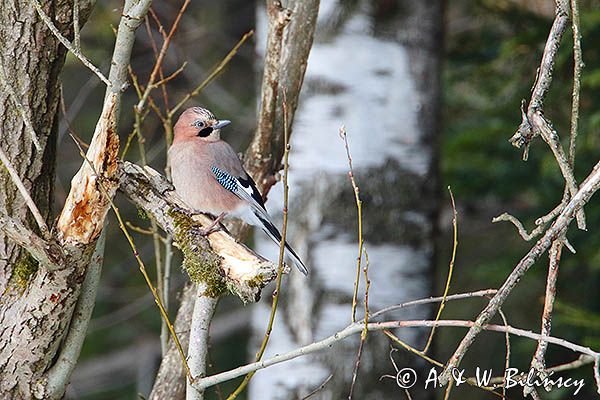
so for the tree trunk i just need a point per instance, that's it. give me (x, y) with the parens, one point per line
(31, 59)
(375, 67)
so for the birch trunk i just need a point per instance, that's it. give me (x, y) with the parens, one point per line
(374, 67)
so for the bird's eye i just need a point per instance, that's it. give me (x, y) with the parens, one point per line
(198, 124)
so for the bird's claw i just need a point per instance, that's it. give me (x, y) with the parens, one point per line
(205, 231)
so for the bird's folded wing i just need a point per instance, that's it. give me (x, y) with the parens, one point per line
(244, 188)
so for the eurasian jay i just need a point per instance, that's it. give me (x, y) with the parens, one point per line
(209, 177)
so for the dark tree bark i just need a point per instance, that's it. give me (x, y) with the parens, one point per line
(31, 59)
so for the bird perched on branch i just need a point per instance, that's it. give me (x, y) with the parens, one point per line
(209, 177)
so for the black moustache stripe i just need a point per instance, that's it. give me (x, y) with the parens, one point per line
(205, 132)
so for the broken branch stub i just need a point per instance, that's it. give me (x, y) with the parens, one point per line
(217, 259)
(82, 218)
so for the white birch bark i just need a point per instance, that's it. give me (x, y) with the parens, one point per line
(376, 71)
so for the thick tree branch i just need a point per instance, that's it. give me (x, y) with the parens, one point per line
(289, 40)
(204, 308)
(243, 271)
(49, 254)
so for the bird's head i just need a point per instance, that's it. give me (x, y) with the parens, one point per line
(199, 122)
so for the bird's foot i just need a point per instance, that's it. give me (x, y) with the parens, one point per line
(215, 226)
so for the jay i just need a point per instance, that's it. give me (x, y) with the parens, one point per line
(209, 177)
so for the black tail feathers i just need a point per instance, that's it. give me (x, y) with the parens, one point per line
(274, 234)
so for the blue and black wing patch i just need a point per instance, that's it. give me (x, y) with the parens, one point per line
(226, 180)
(244, 188)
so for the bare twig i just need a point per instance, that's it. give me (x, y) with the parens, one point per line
(577, 67)
(538, 362)
(25, 194)
(163, 51)
(361, 250)
(276, 293)
(520, 228)
(73, 49)
(359, 210)
(461, 296)
(507, 341)
(587, 189)
(215, 72)
(450, 267)
(533, 121)
(317, 390)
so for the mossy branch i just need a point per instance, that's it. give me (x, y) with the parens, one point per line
(217, 260)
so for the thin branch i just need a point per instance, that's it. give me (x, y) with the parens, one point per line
(358, 202)
(164, 332)
(204, 309)
(507, 341)
(460, 296)
(357, 327)
(520, 228)
(163, 51)
(60, 373)
(76, 28)
(215, 72)
(73, 49)
(538, 362)
(577, 67)
(587, 189)
(450, 267)
(317, 390)
(276, 293)
(361, 250)
(25, 194)
(19, 107)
